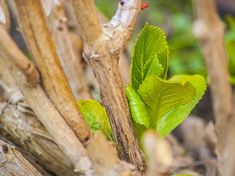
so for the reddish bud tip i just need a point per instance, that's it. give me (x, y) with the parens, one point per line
(144, 5)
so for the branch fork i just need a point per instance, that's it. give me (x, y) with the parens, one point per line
(102, 46)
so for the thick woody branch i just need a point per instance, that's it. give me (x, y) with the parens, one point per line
(20, 123)
(124, 63)
(37, 35)
(102, 52)
(12, 162)
(69, 58)
(51, 120)
(89, 26)
(209, 29)
(14, 53)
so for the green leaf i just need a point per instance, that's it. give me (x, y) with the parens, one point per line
(161, 96)
(177, 115)
(230, 45)
(231, 23)
(154, 68)
(155, 102)
(137, 107)
(150, 55)
(232, 80)
(95, 115)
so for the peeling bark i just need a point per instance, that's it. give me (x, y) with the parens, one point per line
(12, 163)
(19, 122)
(51, 119)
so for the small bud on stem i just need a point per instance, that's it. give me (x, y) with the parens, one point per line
(144, 5)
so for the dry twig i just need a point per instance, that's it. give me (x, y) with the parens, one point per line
(102, 47)
(21, 61)
(51, 119)
(18, 121)
(71, 60)
(209, 29)
(37, 35)
(13, 163)
(13, 52)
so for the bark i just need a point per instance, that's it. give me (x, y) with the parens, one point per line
(37, 35)
(124, 63)
(124, 66)
(102, 47)
(69, 57)
(12, 162)
(18, 121)
(12, 50)
(209, 29)
(51, 119)
(21, 61)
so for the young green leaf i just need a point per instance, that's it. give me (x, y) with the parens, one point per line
(153, 67)
(177, 115)
(95, 115)
(137, 107)
(161, 96)
(155, 102)
(150, 55)
(230, 45)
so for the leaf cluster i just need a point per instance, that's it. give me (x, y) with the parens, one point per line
(154, 101)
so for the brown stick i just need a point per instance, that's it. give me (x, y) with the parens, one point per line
(124, 66)
(13, 163)
(21, 61)
(37, 35)
(89, 23)
(102, 47)
(14, 53)
(51, 119)
(124, 63)
(69, 58)
(209, 29)
(18, 120)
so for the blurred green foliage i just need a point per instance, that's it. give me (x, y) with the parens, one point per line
(176, 18)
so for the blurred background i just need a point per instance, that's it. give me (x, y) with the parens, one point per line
(192, 145)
